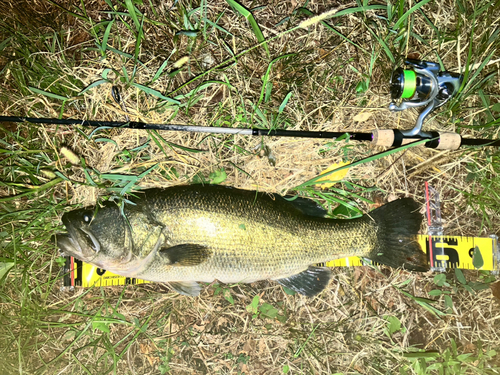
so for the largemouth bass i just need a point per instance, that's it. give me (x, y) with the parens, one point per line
(189, 234)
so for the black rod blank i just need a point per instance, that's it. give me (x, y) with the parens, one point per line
(356, 136)
(189, 128)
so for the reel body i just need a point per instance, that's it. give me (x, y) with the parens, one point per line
(422, 85)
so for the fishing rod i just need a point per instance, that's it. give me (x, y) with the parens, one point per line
(421, 84)
(385, 137)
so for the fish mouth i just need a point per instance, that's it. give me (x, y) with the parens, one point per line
(78, 241)
(67, 245)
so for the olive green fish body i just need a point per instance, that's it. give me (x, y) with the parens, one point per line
(188, 234)
(251, 236)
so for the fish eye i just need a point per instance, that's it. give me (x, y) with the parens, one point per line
(87, 217)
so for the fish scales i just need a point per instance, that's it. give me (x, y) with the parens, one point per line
(254, 238)
(189, 234)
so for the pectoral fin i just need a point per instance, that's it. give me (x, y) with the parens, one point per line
(309, 282)
(186, 288)
(185, 254)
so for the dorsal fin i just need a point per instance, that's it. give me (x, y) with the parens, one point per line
(306, 206)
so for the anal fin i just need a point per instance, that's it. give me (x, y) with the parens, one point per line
(309, 282)
(186, 288)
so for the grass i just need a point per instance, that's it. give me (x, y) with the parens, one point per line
(241, 64)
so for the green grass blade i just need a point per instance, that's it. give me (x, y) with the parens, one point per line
(265, 79)
(250, 18)
(363, 9)
(201, 87)
(121, 53)
(35, 190)
(76, 15)
(153, 92)
(92, 85)
(384, 45)
(285, 102)
(220, 28)
(132, 12)
(105, 37)
(138, 41)
(48, 94)
(408, 13)
(160, 70)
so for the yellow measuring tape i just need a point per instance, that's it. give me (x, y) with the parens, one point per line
(472, 253)
(480, 253)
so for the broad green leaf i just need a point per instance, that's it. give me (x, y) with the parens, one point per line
(5, 268)
(218, 176)
(435, 292)
(460, 276)
(477, 258)
(440, 279)
(189, 33)
(254, 306)
(394, 325)
(463, 357)
(448, 303)
(268, 310)
(105, 73)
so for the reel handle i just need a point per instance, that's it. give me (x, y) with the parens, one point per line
(395, 138)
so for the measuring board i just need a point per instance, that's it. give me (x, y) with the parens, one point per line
(480, 253)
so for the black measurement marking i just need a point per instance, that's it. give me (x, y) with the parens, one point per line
(79, 272)
(67, 271)
(449, 256)
(471, 252)
(450, 241)
(453, 260)
(100, 271)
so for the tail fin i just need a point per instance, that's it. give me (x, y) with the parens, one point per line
(398, 223)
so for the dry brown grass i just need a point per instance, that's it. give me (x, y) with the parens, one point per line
(342, 330)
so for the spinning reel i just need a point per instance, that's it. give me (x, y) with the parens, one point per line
(422, 84)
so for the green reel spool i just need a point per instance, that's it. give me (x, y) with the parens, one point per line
(422, 84)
